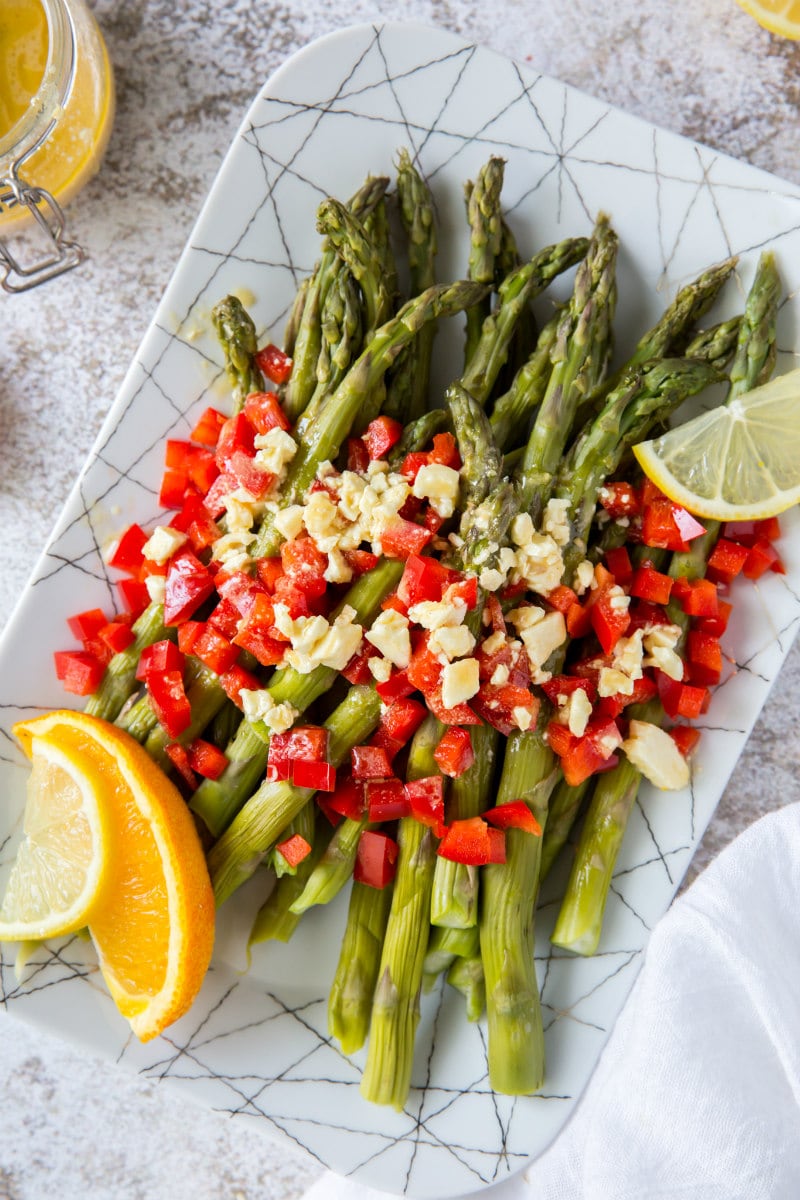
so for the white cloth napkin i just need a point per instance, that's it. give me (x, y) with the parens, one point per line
(697, 1093)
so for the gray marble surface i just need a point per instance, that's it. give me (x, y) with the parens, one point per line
(186, 72)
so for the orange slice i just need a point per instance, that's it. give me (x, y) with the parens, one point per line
(154, 927)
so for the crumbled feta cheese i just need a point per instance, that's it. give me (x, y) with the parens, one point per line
(659, 645)
(321, 519)
(576, 712)
(451, 641)
(654, 752)
(500, 675)
(390, 635)
(258, 705)
(241, 510)
(439, 485)
(338, 569)
(522, 717)
(491, 579)
(433, 614)
(611, 681)
(584, 574)
(460, 681)
(315, 642)
(274, 450)
(231, 549)
(289, 521)
(525, 617)
(556, 521)
(522, 530)
(162, 543)
(539, 564)
(540, 640)
(156, 587)
(380, 668)
(494, 642)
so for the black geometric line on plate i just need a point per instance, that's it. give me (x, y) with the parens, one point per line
(193, 346)
(271, 264)
(503, 1126)
(390, 83)
(422, 1092)
(700, 185)
(434, 125)
(626, 904)
(648, 862)
(657, 180)
(297, 107)
(165, 1065)
(653, 839)
(270, 192)
(568, 1012)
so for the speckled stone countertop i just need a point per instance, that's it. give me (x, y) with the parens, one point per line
(186, 72)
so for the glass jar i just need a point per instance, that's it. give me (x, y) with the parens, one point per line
(56, 113)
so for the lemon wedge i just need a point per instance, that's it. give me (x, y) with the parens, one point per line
(738, 462)
(60, 868)
(778, 16)
(151, 916)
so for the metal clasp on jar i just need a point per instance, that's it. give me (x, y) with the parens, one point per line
(58, 254)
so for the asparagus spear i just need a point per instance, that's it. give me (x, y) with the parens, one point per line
(395, 1010)
(334, 868)
(407, 396)
(350, 998)
(237, 336)
(580, 918)
(308, 336)
(574, 368)
(275, 920)
(512, 411)
(486, 232)
(351, 241)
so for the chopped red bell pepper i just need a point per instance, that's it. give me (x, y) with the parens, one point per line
(370, 762)
(380, 435)
(305, 565)
(454, 754)
(649, 584)
(207, 429)
(472, 842)
(590, 753)
(697, 597)
(659, 529)
(348, 798)
(426, 798)
(444, 450)
(620, 500)
(413, 463)
(685, 738)
(376, 859)
(196, 522)
(264, 412)
(515, 814)
(761, 557)
(274, 363)
(269, 571)
(79, 671)
(134, 595)
(321, 776)
(705, 658)
(401, 719)
(688, 526)
(206, 759)
(188, 584)
(643, 689)
(681, 699)
(117, 635)
(726, 561)
(127, 554)
(387, 800)
(215, 650)
(401, 539)
(179, 757)
(169, 700)
(578, 618)
(717, 624)
(609, 616)
(618, 561)
(236, 434)
(236, 680)
(297, 601)
(424, 578)
(565, 685)
(360, 561)
(396, 687)
(357, 455)
(158, 657)
(87, 625)
(562, 598)
(294, 849)
(248, 474)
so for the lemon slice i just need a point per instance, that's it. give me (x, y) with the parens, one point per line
(738, 462)
(778, 16)
(152, 923)
(60, 867)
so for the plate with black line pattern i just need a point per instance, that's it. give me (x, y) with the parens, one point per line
(255, 1046)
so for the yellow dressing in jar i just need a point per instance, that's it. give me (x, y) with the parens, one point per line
(62, 92)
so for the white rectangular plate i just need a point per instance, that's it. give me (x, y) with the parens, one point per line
(255, 1045)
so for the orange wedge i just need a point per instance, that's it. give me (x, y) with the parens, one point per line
(778, 16)
(154, 925)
